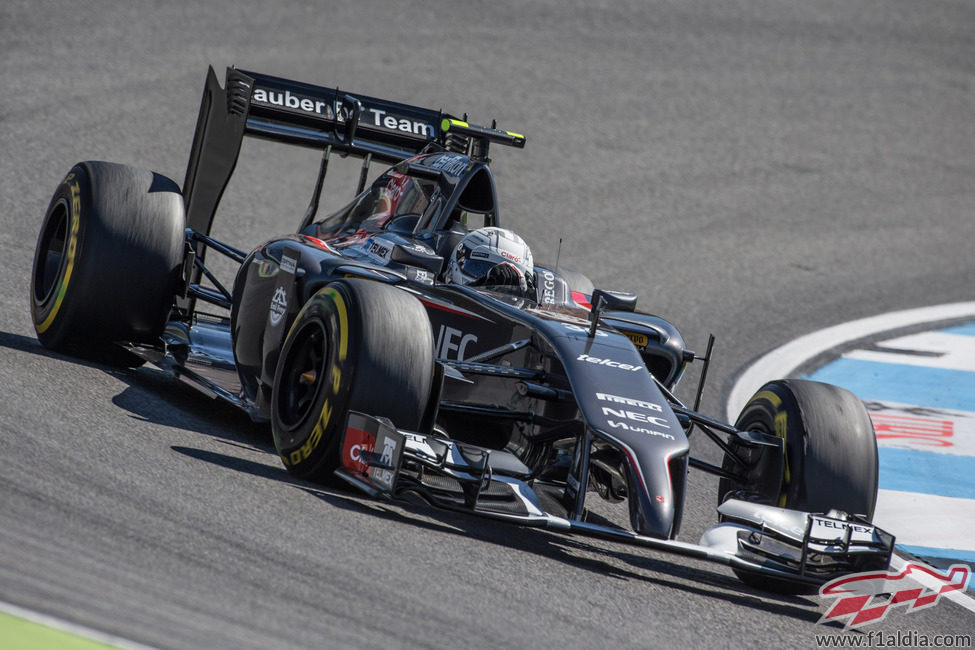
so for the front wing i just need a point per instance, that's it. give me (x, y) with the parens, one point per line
(801, 547)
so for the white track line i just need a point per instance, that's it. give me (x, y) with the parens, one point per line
(778, 363)
(71, 628)
(897, 563)
(782, 361)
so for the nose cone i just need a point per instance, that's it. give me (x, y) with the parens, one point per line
(656, 495)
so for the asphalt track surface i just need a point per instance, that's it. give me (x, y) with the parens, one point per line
(759, 170)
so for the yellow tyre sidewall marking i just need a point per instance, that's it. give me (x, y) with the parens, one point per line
(305, 451)
(781, 427)
(75, 213)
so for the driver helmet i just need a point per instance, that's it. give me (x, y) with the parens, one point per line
(493, 257)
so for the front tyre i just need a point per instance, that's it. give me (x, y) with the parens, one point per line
(355, 345)
(107, 260)
(831, 459)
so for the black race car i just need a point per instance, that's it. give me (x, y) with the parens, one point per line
(545, 404)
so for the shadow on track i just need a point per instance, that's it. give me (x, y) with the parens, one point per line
(152, 395)
(568, 550)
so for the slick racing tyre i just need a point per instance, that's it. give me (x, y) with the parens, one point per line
(355, 345)
(830, 454)
(107, 261)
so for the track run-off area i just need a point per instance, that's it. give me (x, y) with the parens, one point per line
(915, 371)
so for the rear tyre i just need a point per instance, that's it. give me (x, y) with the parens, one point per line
(355, 345)
(107, 261)
(830, 454)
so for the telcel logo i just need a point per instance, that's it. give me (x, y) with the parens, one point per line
(608, 362)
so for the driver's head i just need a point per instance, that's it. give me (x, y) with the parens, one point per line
(493, 257)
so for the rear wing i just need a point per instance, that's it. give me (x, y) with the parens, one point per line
(297, 113)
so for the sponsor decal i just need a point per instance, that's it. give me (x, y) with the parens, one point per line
(452, 343)
(370, 116)
(288, 264)
(837, 525)
(420, 275)
(385, 476)
(449, 164)
(636, 416)
(510, 256)
(608, 362)
(548, 288)
(389, 445)
(649, 432)
(279, 305)
(356, 440)
(867, 598)
(638, 339)
(378, 251)
(616, 399)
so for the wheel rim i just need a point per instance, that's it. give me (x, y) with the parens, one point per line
(51, 254)
(302, 374)
(760, 425)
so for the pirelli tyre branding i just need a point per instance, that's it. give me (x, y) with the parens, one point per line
(334, 371)
(370, 116)
(59, 292)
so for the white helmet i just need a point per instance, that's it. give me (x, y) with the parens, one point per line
(493, 256)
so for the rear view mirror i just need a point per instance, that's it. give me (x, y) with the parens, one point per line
(604, 300)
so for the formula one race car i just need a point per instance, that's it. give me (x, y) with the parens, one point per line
(408, 345)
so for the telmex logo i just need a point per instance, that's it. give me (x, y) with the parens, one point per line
(373, 116)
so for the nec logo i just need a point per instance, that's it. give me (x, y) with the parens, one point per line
(452, 343)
